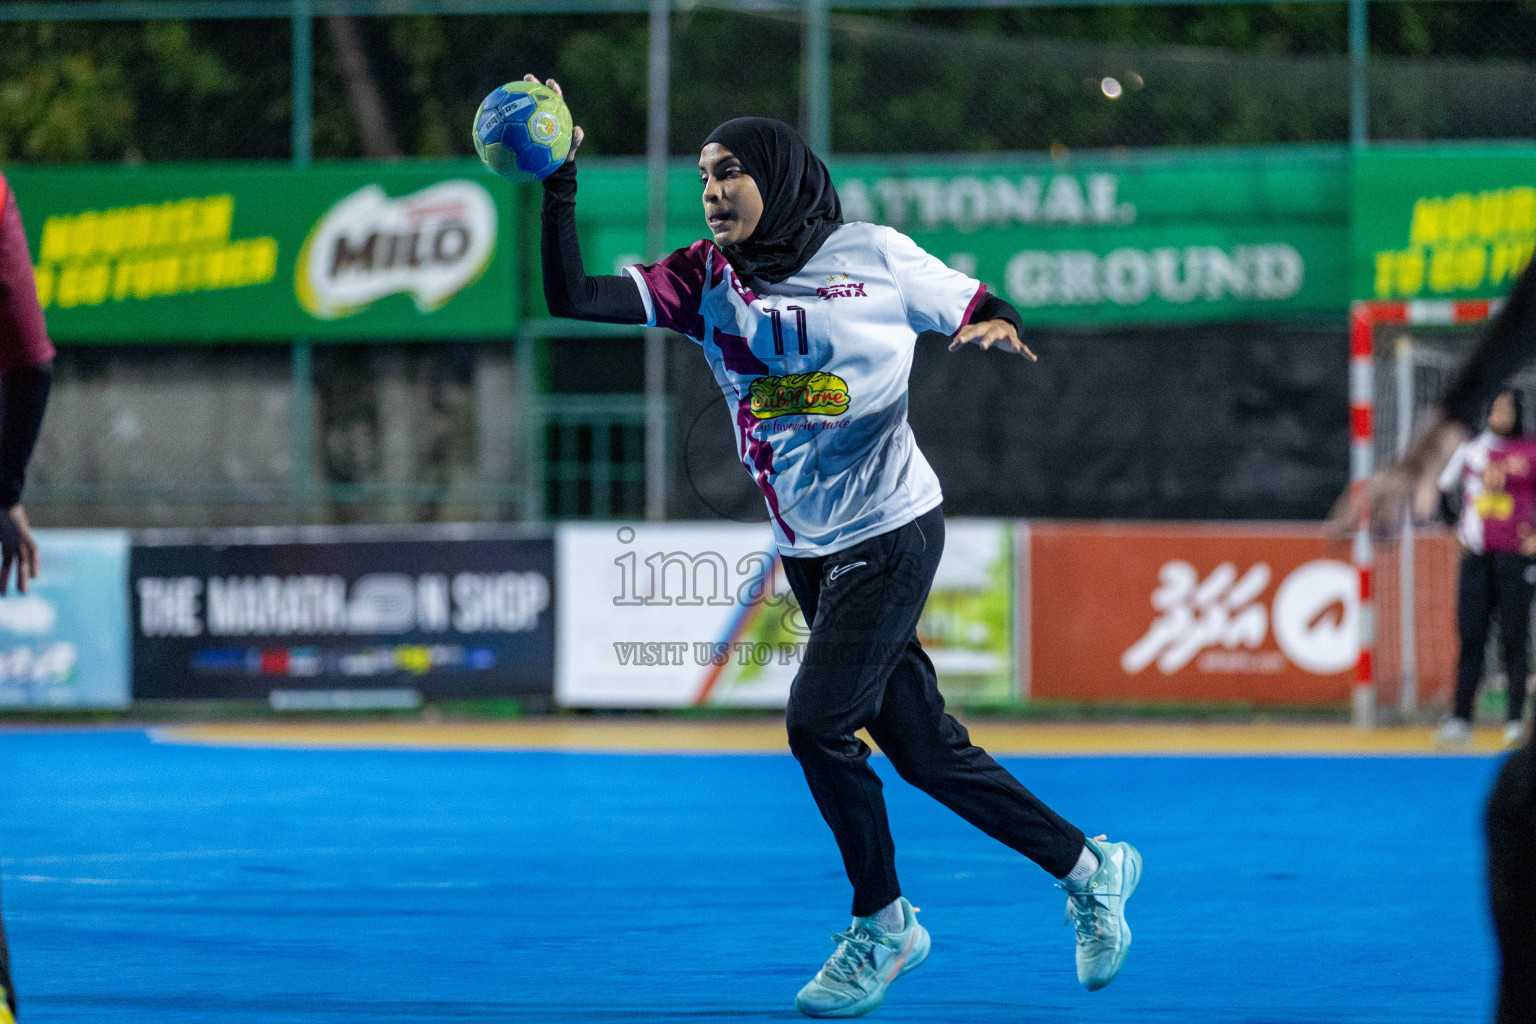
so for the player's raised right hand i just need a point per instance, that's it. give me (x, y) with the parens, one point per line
(576, 133)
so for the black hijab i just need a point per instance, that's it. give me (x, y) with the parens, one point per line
(800, 207)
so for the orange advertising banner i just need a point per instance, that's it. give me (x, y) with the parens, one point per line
(1267, 613)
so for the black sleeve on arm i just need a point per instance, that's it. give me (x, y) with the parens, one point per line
(23, 397)
(993, 308)
(1506, 346)
(568, 291)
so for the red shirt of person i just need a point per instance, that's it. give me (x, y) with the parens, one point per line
(26, 372)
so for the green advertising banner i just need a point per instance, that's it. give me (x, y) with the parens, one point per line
(1442, 223)
(243, 252)
(401, 251)
(1216, 235)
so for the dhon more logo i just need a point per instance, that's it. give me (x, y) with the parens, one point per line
(1220, 623)
(799, 394)
(430, 245)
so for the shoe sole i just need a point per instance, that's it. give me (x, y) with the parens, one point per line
(920, 950)
(1132, 878)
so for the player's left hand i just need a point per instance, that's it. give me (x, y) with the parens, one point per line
(992, 332)
(17, 548)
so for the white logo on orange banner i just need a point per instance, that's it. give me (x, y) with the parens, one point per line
(431, 245)
(1315, 619)
(1317, 615)
(1196, 615)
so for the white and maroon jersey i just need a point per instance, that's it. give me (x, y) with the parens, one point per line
(1493, 519)
(815, 370)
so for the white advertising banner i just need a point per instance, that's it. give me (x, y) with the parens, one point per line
(64, 644)
(673, 615)
(685, 614)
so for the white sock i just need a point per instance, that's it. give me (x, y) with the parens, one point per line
(1087, 864)
(888, 918)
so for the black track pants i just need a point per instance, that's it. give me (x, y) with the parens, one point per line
(1493, 580)
(864, 668)
(1511, 826)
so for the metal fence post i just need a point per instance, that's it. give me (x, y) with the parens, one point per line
(300, 417)
(816, 97)
(1407, 589)
(659, 99)
(1359, 43)
(303, 24)
(301, 355)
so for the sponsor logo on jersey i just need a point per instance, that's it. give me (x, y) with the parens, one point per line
(1499, 505)
(800, 394)
(430, 245)
(839, 286)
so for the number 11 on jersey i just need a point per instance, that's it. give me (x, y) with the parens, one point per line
(778, 330)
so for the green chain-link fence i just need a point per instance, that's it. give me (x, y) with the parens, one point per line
(395, 432)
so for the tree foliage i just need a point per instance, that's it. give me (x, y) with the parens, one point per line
(919, 80)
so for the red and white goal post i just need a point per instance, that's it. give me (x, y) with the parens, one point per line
(1402, 357)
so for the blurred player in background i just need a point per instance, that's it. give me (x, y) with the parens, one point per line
(1508, 344)
(26, 371)
(809, 324)
(1495, 476)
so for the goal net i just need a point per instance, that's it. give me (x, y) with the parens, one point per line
(1417, 349)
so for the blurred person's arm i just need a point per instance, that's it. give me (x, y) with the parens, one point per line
(26, 373)
(1508, 344)
(1410, 482)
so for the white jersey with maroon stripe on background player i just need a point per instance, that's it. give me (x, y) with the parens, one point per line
(815, 374)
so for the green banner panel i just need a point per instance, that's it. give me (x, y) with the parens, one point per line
(401, 251)
(1202, 236)
(245, 252)
(1442, 223)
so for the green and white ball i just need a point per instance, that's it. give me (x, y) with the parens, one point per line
(523, 131)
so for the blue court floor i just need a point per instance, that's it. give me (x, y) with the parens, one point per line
(165, 884)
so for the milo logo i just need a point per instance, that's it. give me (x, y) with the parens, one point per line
(430, 245)
(800, 394)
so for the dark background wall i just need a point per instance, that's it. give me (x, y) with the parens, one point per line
(1230, 421)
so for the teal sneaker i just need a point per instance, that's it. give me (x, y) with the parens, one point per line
(867, 960)
(1096, 909)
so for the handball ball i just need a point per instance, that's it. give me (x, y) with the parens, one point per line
(523, 131)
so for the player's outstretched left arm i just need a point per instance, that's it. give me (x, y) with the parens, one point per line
(994, 321)
(992, 332)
